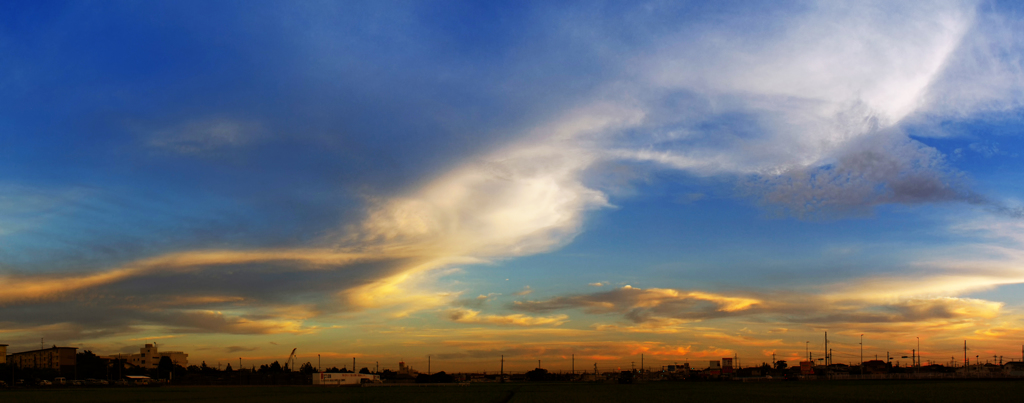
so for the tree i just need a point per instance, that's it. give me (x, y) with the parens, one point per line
(781, 365)
(207, 370)
(307, 368)
(364, 370)
(228, 368)
(165, 366)
(90, 365)
(439, 377)
(539, 374)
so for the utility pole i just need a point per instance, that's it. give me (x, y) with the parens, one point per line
(503, 368)
(574, 365)
(862, 354)
(318, 362)
(428, 364)
(239, 363)
(641, 363)
(826, 351)
(965, 354)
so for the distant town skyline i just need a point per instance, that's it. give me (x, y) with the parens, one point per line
(388, 181)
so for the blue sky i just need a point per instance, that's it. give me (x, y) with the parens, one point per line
(391, 180)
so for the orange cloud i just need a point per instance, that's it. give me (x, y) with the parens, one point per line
(36, 287)
(471, 316)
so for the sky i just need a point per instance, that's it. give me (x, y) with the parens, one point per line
(580, 183)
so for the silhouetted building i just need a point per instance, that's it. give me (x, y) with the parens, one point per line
(876, 367)
(1014, 368)
(727, 366)
(715, 368)
(339, 379)
(806, 368)
(3, 353)
(61, 359)
(149, 357)
(405, 369)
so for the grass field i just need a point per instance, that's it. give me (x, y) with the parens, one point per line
(836, 391)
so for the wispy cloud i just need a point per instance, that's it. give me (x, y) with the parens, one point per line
(471, 316)
(671, 311)
(43, 287)
(154, 338)
(640, 304)
(881, 169)
(199, 137)
(525, 291)
(24, 207)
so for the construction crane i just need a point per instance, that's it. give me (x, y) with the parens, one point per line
(291, 360)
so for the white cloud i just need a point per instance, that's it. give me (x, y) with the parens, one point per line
(813, 107)
(523, 199)
(986, 72)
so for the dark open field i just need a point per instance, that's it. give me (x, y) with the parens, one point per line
(836, 391)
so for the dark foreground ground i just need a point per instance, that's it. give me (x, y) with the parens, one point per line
(835, 391)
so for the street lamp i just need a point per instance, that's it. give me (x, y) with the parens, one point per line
(862, 354)
(807, 351)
